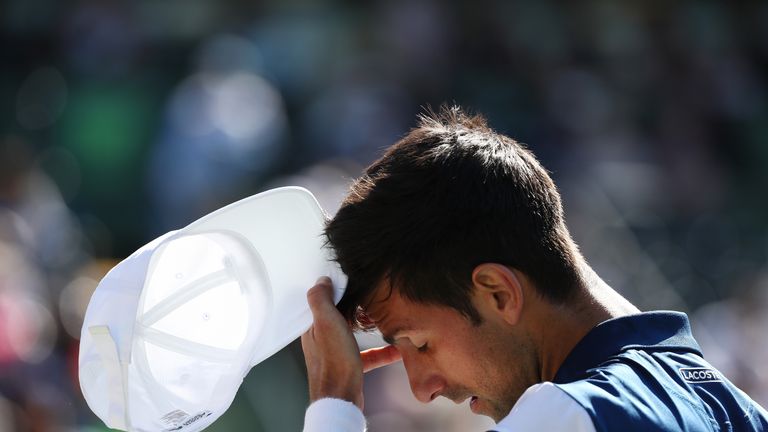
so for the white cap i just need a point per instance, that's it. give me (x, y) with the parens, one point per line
(172, 330)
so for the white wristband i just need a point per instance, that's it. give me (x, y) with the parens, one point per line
(333, 415)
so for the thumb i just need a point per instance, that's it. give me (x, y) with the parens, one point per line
(320, 296)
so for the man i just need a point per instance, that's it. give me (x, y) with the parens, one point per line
(456, 249)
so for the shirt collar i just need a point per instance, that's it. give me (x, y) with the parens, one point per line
(649, 331)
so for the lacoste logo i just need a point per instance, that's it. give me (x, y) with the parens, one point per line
(191, 420)
(182, 419)
(700, 375)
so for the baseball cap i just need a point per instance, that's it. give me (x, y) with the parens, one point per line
(172, 330)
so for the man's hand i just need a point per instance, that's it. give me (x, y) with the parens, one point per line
(377, 357)
(334, 363)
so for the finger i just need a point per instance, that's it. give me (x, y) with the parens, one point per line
(320, 296)
(306, 337)
(378, 357)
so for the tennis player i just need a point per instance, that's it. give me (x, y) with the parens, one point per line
(456, 249)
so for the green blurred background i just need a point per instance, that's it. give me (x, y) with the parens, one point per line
(121, 120)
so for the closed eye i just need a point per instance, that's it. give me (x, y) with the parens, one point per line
(423, 348)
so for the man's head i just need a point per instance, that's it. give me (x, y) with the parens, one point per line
(448, 198)
(452, 194)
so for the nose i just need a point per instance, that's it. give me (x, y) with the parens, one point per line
(426, 384)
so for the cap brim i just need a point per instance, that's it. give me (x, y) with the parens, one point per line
(285, 227)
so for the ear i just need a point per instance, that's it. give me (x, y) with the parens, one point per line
(499, 290)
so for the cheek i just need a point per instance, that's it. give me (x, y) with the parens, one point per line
(480, 361)
(463, 361)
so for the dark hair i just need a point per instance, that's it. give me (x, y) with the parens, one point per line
(450, 195)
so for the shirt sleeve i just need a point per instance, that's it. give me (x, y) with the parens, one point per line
(333, 415)
(546, 407)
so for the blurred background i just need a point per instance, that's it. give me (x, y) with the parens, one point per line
(123, 120)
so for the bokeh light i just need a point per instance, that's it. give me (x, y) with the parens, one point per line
(123, 120)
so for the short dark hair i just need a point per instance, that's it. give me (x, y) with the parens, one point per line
(450, 195)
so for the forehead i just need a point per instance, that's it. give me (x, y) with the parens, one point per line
(391, 313)
(387, 305)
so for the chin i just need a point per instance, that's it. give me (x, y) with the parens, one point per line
(497, 417)
(489, 409)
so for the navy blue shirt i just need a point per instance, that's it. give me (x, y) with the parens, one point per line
(645, 372)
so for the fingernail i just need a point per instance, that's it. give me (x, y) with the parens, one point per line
(323, 280)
